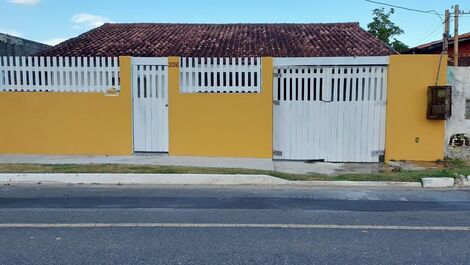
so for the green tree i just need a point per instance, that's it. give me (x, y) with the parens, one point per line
(385, 30)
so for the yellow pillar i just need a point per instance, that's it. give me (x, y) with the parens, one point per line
(409, 134)
(173, 91)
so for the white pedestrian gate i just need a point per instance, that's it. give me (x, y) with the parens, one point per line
(150, 104)
(330, 113)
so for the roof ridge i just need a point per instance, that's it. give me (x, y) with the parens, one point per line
(231, 23)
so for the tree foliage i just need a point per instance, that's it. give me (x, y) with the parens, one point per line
(385, 30)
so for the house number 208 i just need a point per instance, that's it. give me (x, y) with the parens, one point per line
(173, 64)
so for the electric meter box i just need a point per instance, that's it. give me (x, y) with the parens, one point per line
(439, 102)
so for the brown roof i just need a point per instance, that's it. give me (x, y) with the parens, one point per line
(437, 45)
(224, 40)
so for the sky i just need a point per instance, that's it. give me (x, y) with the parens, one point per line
(52, 21)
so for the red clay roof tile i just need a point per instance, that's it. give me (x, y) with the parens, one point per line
(224, 40)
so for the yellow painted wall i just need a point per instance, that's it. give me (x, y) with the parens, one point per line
(409, 135)
(226, 125)
(67, 123)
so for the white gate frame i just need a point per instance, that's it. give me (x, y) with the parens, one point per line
(279, 62)
(324, 61)
(159, 61)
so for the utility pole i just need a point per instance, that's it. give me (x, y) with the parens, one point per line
(445, 40)
(456, 35)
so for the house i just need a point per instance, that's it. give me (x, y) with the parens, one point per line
(15, 46)
(329, 92)
(435, 47)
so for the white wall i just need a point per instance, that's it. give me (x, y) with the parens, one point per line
(459, 79)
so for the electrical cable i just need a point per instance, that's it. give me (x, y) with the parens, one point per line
(427, 36)
(434, 12)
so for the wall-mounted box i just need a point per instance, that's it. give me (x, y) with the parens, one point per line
(439, 102)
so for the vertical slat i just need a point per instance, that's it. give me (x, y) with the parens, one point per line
(2, 73)
(157, 108)
(29, 69)
(383, 108)
(347, 118)
(42, 70)
(252, 74)
(192, 71)
(165, 98)
(358, 114)
(258, 75)
(117, 84)
(238, 71)
(80, 75)
(184, 70)
(85, 69)
(109, 73)
(138, 116)
(136, 110)
(204, 75)
(102, 73)
(36, 72)
(294, 86)
(217, 72)
(281, 85)
(151, 109)
(17, 72)
(198, 72)
(23, 72)
(10, 73)
(50, 72)
(67, 76)
(59, 74)
(377, 113)
(245, 72)
(72, 69)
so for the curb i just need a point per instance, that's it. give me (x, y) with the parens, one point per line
(438, 182)
(184, 179)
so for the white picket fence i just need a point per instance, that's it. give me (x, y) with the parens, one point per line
(331, 113)
(59, 74)
(220, 75)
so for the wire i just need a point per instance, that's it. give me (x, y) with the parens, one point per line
(434, 12)
(427, 36)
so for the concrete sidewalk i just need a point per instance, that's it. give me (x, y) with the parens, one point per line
(183, 179)
(293, 167)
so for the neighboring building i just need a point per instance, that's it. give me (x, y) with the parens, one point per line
(458, 126)
(14, 46)
(435, 47)
(224, 40)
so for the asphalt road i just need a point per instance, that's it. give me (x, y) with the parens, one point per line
(232, 225)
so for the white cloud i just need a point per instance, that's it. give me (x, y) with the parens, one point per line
(25, 2)
(11, 32)
(54, 41)
(88, 20)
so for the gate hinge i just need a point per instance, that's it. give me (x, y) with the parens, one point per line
(378, 153)
(277, 75)
(277, 153)
(276, 102)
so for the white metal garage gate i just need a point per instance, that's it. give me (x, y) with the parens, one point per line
(330, 109)
(150, 104)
